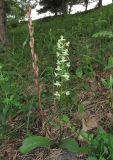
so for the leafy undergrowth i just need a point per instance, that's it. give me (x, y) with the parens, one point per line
(90, 104)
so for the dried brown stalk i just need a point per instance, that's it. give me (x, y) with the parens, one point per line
(34, 59)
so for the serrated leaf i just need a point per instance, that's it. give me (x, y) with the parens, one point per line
(70, 145)
(33, 142)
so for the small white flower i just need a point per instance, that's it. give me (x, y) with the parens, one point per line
(59, 46)
(57, 84)
(67, 44)
(63, 60)
(65, 53)
(58, 68)
(66, 76)
(67, 93)
(68, 64)
(56, 74)
(57, 94)
(58, 54)
(58, 62)
(62, 37)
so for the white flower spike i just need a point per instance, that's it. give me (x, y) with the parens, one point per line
(61, 72)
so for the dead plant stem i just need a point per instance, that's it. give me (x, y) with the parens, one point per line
(34, 59)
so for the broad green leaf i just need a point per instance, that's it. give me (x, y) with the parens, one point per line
(70, 145)
(33, 142)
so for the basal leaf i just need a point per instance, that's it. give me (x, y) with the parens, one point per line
(70, 145)
(33, 142)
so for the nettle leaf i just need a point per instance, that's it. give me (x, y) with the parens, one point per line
(79, 72)
(70, 145)
(33, 142)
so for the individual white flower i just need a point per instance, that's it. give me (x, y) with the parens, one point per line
(58, 54)
(66, 76)
(57, 94)
(58, 68)
(56, 74)
(62, 38)
(67, 44)
(65, 53)
(58, 62)
(67, 93)
(57, 84)
(59, 46)
(63, 60)
(68, 64)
